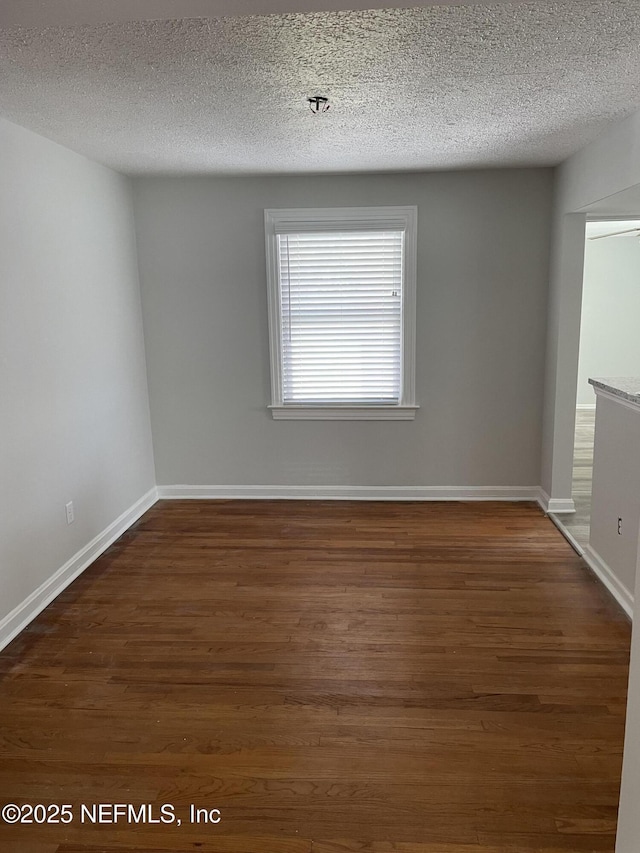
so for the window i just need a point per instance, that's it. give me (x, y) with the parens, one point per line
(342, 291)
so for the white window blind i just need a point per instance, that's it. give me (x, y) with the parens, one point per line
(341, 316)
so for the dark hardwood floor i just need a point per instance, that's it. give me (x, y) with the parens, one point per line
(332, 676)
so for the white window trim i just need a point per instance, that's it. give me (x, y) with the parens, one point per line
(338, 219)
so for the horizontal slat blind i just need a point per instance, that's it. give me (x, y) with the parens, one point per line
(341, 316)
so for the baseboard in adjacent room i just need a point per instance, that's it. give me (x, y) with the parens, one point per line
(604, 574)
(24, 613)
(352, 493)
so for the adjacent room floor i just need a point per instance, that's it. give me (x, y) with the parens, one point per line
(578, 523)
(330, 676)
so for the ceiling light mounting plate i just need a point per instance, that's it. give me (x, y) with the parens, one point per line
(318, 104)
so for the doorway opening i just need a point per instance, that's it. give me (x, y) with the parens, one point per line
(609, 343)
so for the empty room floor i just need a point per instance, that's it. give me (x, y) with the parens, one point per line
(332, 677)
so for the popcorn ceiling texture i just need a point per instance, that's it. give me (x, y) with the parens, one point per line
(430, 88)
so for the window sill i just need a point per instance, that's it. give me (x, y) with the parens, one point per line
(343, 413)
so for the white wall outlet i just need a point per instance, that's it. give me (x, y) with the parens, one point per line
(70, 515)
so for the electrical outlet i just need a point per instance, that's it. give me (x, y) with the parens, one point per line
(619, 526)
(70, 515)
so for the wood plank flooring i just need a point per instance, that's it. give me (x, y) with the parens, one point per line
(579, 523)
(332, 676)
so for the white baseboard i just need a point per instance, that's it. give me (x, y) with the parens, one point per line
(586, 407)
(25, 612)
(577, 547)
(352, 493)
(604, 574)
(12, 624)
(559, 506)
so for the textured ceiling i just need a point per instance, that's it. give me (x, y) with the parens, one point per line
(47, 13)
(429, 88)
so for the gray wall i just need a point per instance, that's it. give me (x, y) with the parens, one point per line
(628, 838)
(609, 338)
(616, 493)
(75, 417)
(482, 289)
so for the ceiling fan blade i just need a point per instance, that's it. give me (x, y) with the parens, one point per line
(615, 234)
